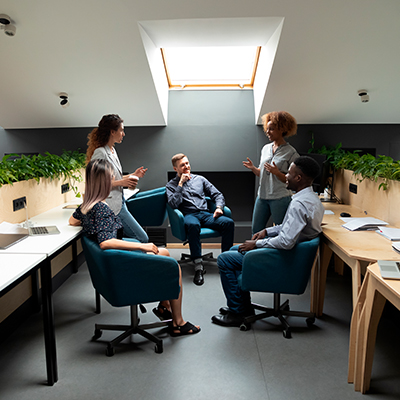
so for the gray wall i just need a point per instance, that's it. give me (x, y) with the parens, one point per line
(215, 129)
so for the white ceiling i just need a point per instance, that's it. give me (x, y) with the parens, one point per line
(98, 52)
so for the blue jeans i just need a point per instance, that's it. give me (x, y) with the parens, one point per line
(230, 268)
(195, 221)
(264, 209)
(132, 229)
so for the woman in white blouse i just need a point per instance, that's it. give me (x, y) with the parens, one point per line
(101, 143)
(273, 197)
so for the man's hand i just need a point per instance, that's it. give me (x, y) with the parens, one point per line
(184, 178)
(140, 172)
(247, 245)
(259, 235)
(218, 212)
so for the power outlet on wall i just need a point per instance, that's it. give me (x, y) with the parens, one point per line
(18, 204)
(64, 188)
(353, 188)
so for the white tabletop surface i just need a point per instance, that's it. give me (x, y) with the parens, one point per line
(48, 244)
(13, 266)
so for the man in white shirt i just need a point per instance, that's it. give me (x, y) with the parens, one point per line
(302, 222)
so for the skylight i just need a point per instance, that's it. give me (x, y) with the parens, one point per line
(217, 67)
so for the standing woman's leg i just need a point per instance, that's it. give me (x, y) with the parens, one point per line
(132, 229)
(278, 209)
(261, 215)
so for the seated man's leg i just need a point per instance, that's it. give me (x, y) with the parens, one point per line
(193, 227)
(238, 301)
(224, 225)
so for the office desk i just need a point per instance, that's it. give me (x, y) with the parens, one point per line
(356, 248)
(49, 246)
(364, 324)
(14, 268)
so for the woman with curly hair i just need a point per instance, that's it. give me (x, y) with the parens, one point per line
(101, 143)
(273, 197)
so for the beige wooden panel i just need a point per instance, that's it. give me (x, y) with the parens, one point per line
(15, 298)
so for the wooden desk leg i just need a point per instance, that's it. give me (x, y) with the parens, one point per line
(326, 254)
(339, 265)
(374, 304)
(356, 281)
(355, 321)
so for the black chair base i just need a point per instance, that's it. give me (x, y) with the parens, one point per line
(279, 311)
(133, 328)
(208, 257)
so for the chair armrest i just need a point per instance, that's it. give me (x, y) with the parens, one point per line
(177, 222)
(211, 207)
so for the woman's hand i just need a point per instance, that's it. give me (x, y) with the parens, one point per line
(140, 172)
(273, 169)
(149, 248)
(249, 164)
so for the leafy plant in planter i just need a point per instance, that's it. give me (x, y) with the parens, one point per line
(365, 166)
(15, 168)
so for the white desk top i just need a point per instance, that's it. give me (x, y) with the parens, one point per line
(48, 244)
(13, 266)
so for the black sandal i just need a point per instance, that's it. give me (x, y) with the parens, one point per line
(187, 329)
(162, 313)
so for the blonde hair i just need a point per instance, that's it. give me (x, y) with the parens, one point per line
(100, 136)
(176, 158)
(98, 185)
(285, 122)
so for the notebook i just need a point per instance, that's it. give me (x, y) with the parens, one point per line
(8, 239)
(389, 233)
(389, 269)
(39, 230)
(365, 223)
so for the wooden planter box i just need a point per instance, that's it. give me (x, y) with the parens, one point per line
(40, 197)
(382, 204)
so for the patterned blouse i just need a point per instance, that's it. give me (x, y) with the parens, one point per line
(100, 223)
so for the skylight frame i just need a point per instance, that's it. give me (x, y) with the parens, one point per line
(213, 85)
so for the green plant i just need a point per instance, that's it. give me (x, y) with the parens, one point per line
(365, 166)
(15, 168)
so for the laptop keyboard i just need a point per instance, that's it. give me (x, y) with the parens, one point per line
(39, 230)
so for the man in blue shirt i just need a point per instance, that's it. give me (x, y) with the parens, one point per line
(188, 192)
(302, 222)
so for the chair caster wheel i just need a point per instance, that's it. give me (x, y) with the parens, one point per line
(287, 334)
(110, 351)
(97, 334)
(244, 327)
(158, 348)
(310, 321)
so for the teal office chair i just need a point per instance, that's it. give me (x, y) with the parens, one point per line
(279, 271)
(130, 278)
(177, 223)
(150, 209)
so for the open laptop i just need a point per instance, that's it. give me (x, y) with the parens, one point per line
(389, 269)
(39, 230)
(8, 239)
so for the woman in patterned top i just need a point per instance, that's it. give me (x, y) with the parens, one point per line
(103, 226)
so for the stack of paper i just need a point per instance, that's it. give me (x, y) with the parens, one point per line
(363, 223)
(396, 247)
(389, 233)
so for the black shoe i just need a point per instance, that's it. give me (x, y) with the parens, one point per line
(229, 319)
(248, 313)
(224, 310)
(199, 277)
